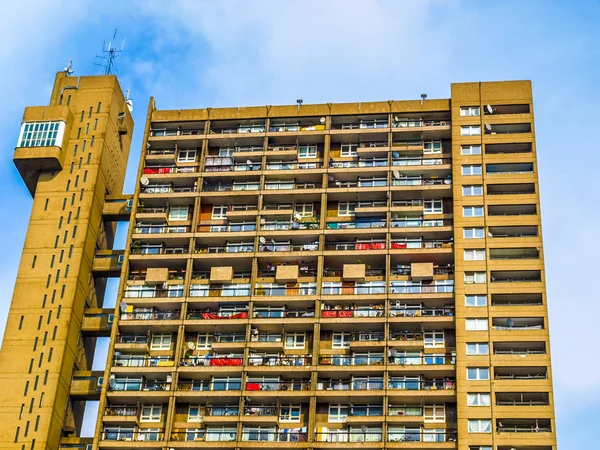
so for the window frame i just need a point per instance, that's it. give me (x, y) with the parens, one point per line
(470, 130)
(470, 111)
(220, 215)
(348, 150)
(478, 399)
(339, 416)
(290, 417)
(476, 324)
(295, 335)
(309, 151)
(178, 210)
(184, 155)
(161, 345)
(474, 211)
(477, 277)
(474, 254)
(480, 348)
(152, 416)
(476, 298)
(435, 416)
(346, 209)
(479, 372)
(433, 207)
(474, 230)
(479, 426)
(471, 148)
(468, 170)
(472, 190)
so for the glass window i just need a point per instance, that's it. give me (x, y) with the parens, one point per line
(475, 277)
(478, 399)
(186, 155)
(473, 233)
(476, 324)
(348, 150)
(466, 150)
(337, 413)
(178, 213)
(219, 212)
(194, 414)
(478, 348)
(470, 130)
(478, 373)
(433, 339)
(160, 342)
(150, 413)
(472, 191)
(472, 211)
(471, 169)
(289, 413)
(41, 134)
(470, 111)
(475, 300)
(340, 339)
(295, 340)
(223, 433)
(434, 413)
(473, 254)
(433, 207)
(307, 151)
(304, 209)
(480, 426)
(346, 208)
(430, 147)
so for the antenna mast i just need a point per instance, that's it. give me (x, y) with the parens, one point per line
(112, 53)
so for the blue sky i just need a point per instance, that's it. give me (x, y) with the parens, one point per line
(192, 54)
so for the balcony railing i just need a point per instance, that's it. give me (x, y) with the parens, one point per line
(418, 311)
(427, 360)
(282, 435)
(261, 411)
(364, 223)
(131, 385)
(212, 315)
(158, 229)
(154, 293)
(142, 361)
(278, 225)
(202, 435)
(152, 210)
(282, 290)
(125, 435)
(345, 360)
(159, 250)
(350, 385)
(303, 360)
(222, 411)
(377, 311)
(229, 248)
(411, 161)
(405, 336)
(166, 189)
(289, 247)
(421, 436)
(420, 289)
(204, 290)
(523, 429)
(265, 337)
(254, 186)
(121, 411)
(169, 169)
(289, 314)
(302, 270)
(339, 272)
(214, 361)
(207, 385)
(417, 223)
(300, 385)
(409, 123)
(293, 165)
(423, 385)
(408, 245)
(421, 181)
(160, 151)
(345, 246)
(235, 227)
(176, 131)
(150, 315)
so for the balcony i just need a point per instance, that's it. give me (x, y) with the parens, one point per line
(333, 312)
(520, 373)
(108, 263)
(167, 189)
(509, 168)
(124, 434)
(511, 189)
(508, 128)
(144, 314)
(515, 253)
(120, 412)
(397, 359)
(86, 385)
(517, 276)
(228, 248)
(212, 361)
(361, 246)
(215, 315)
(289, 360)
(174, 291)
(362, 223)
(499, 149)
(117, 209)
(283, 291)
(513, 231)
(414, 384)
(288, 225)
(281, 435)
(522, 399)
(231, 290)
(161, 229)
(519, 348)
(372, 359)
(97, 322)
(129, 384)
(512, 210)
(403, 435)
(158, 131)
(225, 187)
(516, 299)
(419, 180)
(523, 426)
(518, 323)
(134, 360)
(297, 385)
(169, 169)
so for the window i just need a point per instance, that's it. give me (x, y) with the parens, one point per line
(304, 209)
(434, 339)
(434, 413)
(430, 147)
(475, 277)
(467, 150)
(289, 413)
(470, 130)
(480, 426)
(295, 340)
(221, 433)
(474, 254)
(259, 433)
(346, 208)
(337, 413)
(432, 207)
(478, 348)
(478, 373)
(219, 211)
(340, 339)
(307, 151)
(41, 134)
(204, 340)
(160, 342)
(476, 324)
(178, 213)
(478, 399)
(348, 150)
(475, 300)
(471, 169)
(470, 111)
(473, 233)
(480, 447)
(472, 211)
(194, 414)
(186, 155)
(150, 413)
(472, 191)
(226, 384)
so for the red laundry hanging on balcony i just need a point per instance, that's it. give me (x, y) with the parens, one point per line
(226, 362)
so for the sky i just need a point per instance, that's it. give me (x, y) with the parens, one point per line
(194, 54)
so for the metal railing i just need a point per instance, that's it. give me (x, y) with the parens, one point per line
(300, 385)
(345, 246)
(303, 360)
(160, 151)
(159, 250)
(420, 181)
(130, 385)
(204, 290)
(421, 289)
(421, 312)
(281, 435)
(282, 290)
(125, 435)
(152, 210)
(142, 361)
(158, 229)
(289, 314)
(229, 248)
(153, 293)
(416, 223)
(230, 187)
(261, 411)
(149, 170)
(211, 315)
(167, 189)
(289, 247)
(426, 360)
(357, 224)
(277, 225)
(132, 338)
(353, 313)
(416, 161)
(423, 385)
(408, 123)
(152, 315)
(408, 245)
(351, 360)
(123, 411)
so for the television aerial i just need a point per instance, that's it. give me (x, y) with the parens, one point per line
(112, 53)
(69, 69)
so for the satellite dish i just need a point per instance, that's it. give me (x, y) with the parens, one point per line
(249, 162)
(129, 104)
(396, 155)
(298, 216)
(396, 119)
(123, 306)
(191, 345)
(396, 174)
(145, 181)
(489, 109)
(262, 240)
(121, 115)
(322, 120)
(112, 383)
(510, 323)
(488, 127)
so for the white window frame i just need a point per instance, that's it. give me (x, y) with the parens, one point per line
(187, 155)
(340, 413)
(467, 150)
(478, 348)
(474, 254)
(474, 232)
(438, 413)
(480, 426)
(219, 212)
(348, 150)
(435, 206)
(220, 432)
(479, 399)
(164, 341)
(470, 130)
(476, 324)
(179, 212)
(42, 134)
(475, 277)
(471, 169)
(344, 337)
(346, 209)
(204, 341)
(194, 417)
(472, 211)
(474, 190)
(292, 415)
(477, 300)
(432, 147)
(153, 413)
(470, 111)
(310, 151)
(481, 373)
(304, 209)
(298, 339)
(431, 339)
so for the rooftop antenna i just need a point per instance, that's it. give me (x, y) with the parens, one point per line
(299, 101)
(112, 53)
(423, 97)
(69, 69)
